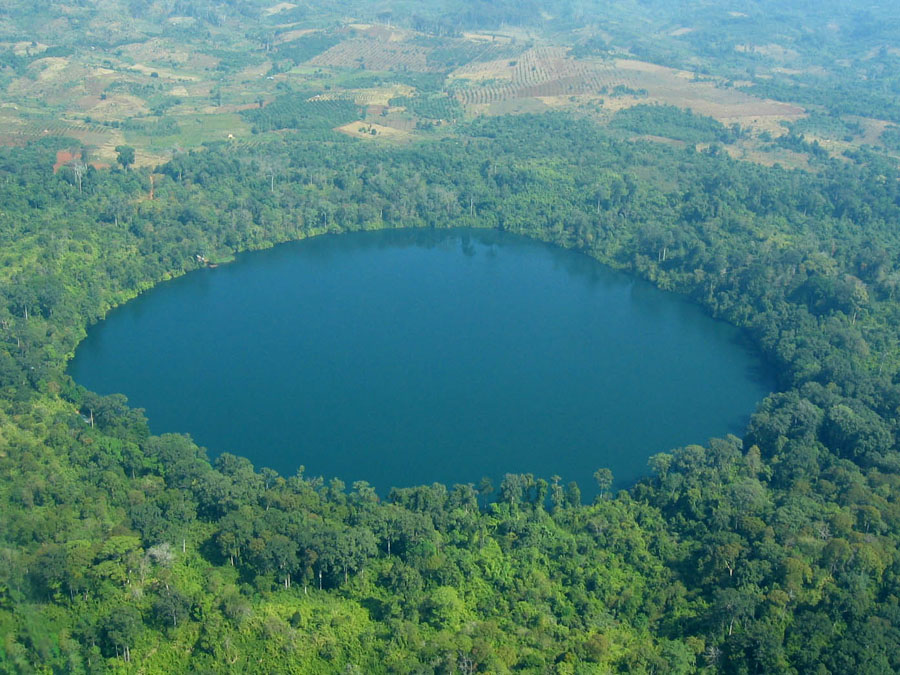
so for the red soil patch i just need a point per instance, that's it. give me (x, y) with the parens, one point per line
(63, 157)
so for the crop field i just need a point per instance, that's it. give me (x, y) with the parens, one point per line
(547, 73)
(18, 131)
(535, 66)
(367, 54)
(224, 91)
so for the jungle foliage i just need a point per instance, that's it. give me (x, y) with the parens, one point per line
(775, 552)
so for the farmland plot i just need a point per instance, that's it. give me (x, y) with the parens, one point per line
(19, 132)
(374, 55)
(374, 96)
(543, 71)
(547, 72)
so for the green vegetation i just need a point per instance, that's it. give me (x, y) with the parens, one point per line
(777, 552)
(890, 138)
(826, 126)
(672, 122)
(141, 554)
(431, 107)
(303, 49)
(296, 111)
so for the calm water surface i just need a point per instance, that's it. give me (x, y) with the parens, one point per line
(408, 357)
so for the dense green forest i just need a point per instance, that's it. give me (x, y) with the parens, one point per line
(774, 552)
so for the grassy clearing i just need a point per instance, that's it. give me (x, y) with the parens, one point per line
(371, 131)
(194, 130)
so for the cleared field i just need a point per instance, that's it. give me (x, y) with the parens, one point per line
(535, 66)
(165, 73)
(381, 32)
(367, 54)
(290, 35)
(547, 73)
(193, 130)
(872, 129)
(160, 51)
(488, 37)
(368, 130)
(114, 107)
(209, 89)
(101, 140)
(277, 9)
(768, 156)
(399, 121)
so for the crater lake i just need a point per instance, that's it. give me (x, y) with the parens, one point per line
(406, 357)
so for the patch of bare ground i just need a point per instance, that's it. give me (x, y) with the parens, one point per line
(157, 49)
(403, 123)
(811, 70)
(254, 73)
(766, 155)
(181, 20)
(365, 130)
(501, 38)
(872, 129)
(566, 101)
(277, 9)
(26, 48)
(56, 81)
(165, 73)
(379, 32)
(49, 69)
(63, 157)
(116, 107)
(291, 35)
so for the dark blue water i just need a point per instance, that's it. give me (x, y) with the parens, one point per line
(409, 357)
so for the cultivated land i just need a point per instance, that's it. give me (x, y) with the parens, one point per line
(169, 93)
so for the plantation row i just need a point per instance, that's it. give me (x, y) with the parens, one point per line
(435, 108)
(30, 131)
(594, 83)
(296, 111)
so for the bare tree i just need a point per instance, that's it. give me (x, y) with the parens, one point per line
(79, 168)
